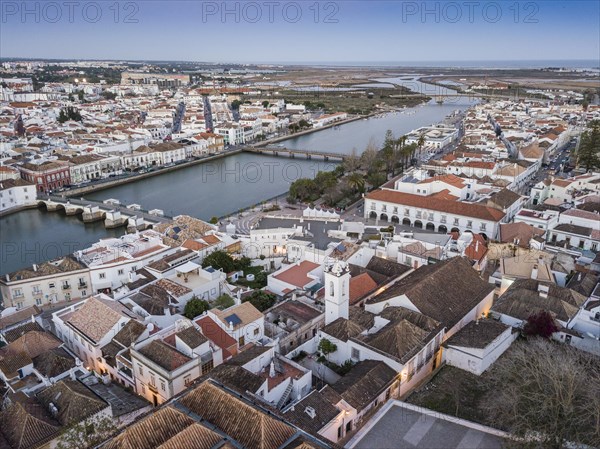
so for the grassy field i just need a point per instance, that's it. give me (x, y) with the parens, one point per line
(355, 102)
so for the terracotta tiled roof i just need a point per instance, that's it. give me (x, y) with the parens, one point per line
(364, 383)
(164, 355)
(297, 275)
(477, 334)
(360, 286)
(246, 424)
(246, 313)
(437, 204)
(151, 432)
(26, 424)
(95, 318)
(456, 287)
(74, 401)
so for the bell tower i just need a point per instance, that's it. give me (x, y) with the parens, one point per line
(337, 290)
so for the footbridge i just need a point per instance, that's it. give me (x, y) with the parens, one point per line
(295, 152)
(111, 212)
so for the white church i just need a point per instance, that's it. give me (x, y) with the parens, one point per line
(405, 325)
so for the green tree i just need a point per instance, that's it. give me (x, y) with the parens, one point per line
(304, 189)
(356, 182)
(265, 104)
(80, 95)
(304, 124)
(69, 113)
(588, 154)
(214, 220)
(224, 301)
(261, 300)
(195, 307)
(421, 143)
(235, 104)
(243, 263)
(389, 152)
(220, 260)
(327, 347)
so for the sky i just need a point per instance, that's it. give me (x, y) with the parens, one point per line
(302, 31)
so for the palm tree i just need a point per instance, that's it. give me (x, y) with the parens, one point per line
(356, 182)
(420, 143)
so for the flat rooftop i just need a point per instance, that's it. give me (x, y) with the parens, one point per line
(400, 425)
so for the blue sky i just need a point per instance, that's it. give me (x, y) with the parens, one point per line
(302, 31)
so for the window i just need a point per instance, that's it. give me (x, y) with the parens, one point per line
(331, 289)
(256, 331)
(187, 380)
(163, 386)
(121, 271)
(102, 275)
(408, 260)
(469, 224)
(143, 389)
(207, 366)
(483, 226)
(152, 379)
(38, 301)
(456, 222)
(241, 341)
(17, 293)
(141, 370)
(355, 354)
(51, 285)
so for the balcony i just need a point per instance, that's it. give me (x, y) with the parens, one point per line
(152, 388)
(66, 286)
(82, 285)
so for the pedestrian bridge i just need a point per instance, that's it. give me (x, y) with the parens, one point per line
(111, 212)
(294, 152)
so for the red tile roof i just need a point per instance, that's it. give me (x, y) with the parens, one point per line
(298, 274)
(437, 204)
(360, 286)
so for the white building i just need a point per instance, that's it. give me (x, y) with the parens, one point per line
(170, 360)
(440, 213)
(111, 261)
(87, 326)
(58, 280)
(16, 193)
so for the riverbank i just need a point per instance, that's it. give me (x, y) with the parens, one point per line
(120, 181)
(265, 143)
(14, 210)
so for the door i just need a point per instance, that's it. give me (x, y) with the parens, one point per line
(155, 400)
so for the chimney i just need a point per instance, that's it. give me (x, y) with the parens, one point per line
(534, 272)
(272, 369)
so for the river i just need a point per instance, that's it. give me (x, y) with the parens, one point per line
(216, 188)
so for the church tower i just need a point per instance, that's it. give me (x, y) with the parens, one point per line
(337, 290)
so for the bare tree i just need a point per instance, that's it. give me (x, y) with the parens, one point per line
(548, 394)
(352, 162)
(369, 159)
